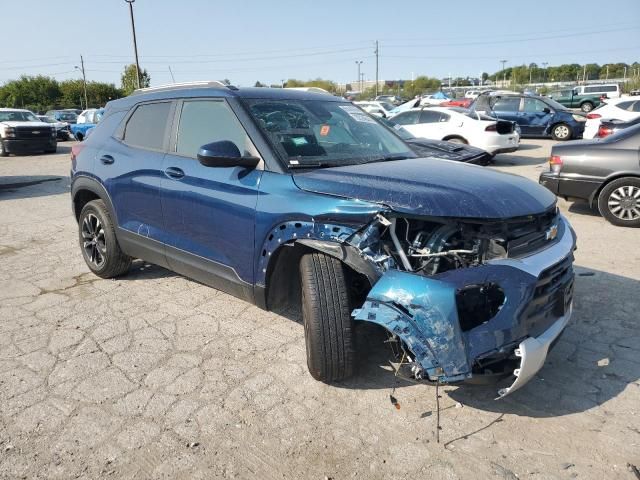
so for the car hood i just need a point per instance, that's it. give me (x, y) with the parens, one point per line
(432, 187)
(26, 124)
(448, 149)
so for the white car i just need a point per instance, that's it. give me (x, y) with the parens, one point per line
(461, 126)
(611, 90)
(379, 109)
(88, 116)
(623, 108)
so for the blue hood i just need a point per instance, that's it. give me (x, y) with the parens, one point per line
(429, 187)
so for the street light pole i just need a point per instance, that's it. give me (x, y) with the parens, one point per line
(135, 43)
(358, 63)
(504, 73)
(84, 81)
(544, 64)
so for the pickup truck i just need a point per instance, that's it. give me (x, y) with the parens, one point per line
(570, 99)
(22, 132)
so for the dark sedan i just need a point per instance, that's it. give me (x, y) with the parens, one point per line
(603, 171)
(609, 127)
(424, 147)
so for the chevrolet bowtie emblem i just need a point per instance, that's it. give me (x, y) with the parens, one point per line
(552, 233)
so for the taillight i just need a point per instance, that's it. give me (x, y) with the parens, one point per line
(592, 116)
(75, 151)
(603, 131)
(492, 128)
(555, 163)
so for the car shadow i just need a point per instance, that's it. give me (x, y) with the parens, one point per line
(15, 187)
(583, 208)
(514, 160)
(593, 361)
(528, 146)
(141, 270)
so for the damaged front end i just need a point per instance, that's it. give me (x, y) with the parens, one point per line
(468, 300)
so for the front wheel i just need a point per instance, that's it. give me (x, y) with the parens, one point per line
(561, 132)
(619, 202)
(326, 313)
(3, 152)
(586, 107)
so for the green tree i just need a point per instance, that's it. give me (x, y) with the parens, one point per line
(129, 82)
(38, 93)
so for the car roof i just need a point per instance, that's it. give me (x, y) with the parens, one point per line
(219, 90)
(13, 110)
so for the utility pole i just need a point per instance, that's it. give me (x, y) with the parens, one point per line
(358, 63)
(172, 77)
(84, 81)
(607, 77)
(135, 43)
(584, 73)
(377, 52)
(624, 79)
(504, 73)
(544, 64)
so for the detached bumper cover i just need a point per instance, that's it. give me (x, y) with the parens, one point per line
(422, 311)
(533, 352)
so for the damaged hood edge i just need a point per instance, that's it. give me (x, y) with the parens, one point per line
(430, 187)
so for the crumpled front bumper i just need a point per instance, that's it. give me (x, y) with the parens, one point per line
(422, 312)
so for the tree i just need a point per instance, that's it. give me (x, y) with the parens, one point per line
(37, 93)
(259, 84)
(129, 82)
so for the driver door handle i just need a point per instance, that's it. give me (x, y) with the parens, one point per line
(107, 159)
(174, 172)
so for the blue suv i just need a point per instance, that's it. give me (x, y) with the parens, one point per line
(535, 115)
(302, 202)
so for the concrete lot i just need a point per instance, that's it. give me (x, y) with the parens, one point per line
(154, 375)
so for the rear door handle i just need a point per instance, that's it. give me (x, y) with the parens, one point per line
(174, 172)
(107, 159)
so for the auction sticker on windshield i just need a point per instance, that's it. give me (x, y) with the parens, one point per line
(357, 114)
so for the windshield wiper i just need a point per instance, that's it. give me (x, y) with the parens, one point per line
(387, 158)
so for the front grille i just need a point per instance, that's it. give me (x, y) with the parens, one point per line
(529, 236)
(552, 296)
(25, 133)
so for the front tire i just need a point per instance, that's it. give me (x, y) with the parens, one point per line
(619, 202)
(586, 107)
(98, 242)
(561, 132)
(326, 313)
(3, 152)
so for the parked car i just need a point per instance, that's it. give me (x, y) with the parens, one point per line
(535, 115)
(22, 132)
(296, 199)
(611, 90)
(458, 102)
(460, 126)
(66, 116)
(605, 172)
(619, 109)
(392, 99)
(443, 150)
(570, 99)
(89, 120)
(609, 127)
(379, 109)
(63, 132)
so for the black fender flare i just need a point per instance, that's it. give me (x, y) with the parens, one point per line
(92, 185)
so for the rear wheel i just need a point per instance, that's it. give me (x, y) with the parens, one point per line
(79, 136)
(561, 132)
(3, 152)
(619, 202)
(586, 107)
(326, 313)
(98, 242)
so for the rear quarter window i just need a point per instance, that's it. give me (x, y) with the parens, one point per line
(146, 127)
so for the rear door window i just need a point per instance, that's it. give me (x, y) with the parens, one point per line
(507, 104)
(147, 127)
(407, 118)
(429, 116)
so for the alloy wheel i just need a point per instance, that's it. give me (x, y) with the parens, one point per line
(93, 240)
(562, 131)
(624, 202)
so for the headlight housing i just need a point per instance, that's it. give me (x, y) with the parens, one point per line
(579, 118)
(9, 132)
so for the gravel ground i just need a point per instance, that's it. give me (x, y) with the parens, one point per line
(154, 375)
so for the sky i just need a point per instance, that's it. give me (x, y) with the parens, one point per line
(250, 40)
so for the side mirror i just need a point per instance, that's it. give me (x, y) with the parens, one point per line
(546, 110)
(224, 154)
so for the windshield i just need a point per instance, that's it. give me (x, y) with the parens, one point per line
(66, 116)
(398, 129)
(312, 133)
(387, 106)
(18, 116)
(553, 104)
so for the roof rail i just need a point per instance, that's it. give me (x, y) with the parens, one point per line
(176, 86)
